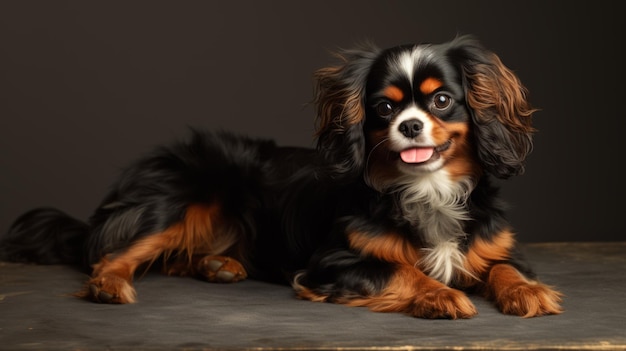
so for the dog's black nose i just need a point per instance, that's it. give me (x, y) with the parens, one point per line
(411, 128)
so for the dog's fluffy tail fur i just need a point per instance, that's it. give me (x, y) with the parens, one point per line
(45, 236)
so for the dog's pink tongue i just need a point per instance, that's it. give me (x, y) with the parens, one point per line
(417, 155)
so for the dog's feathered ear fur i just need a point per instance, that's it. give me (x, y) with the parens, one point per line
(339, 99)
(502, 115)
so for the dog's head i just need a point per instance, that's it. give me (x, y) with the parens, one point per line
(419, 109)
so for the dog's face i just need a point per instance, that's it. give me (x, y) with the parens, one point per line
(416, 118)
(419, 109)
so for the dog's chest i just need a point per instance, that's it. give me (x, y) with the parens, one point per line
(436, 208)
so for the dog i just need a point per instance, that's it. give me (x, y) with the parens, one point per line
(395, 209)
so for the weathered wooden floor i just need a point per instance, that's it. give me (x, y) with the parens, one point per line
(37, 312)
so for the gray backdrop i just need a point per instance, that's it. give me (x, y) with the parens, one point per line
(85, 87)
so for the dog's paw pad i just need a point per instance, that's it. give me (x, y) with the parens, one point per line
(108, 289)
(100, 296)
(221, 269)
(225, 276)
(214, 265)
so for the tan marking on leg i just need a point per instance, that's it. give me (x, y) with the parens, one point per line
(483, 253)
(390, 247)
(516, 295)
(413, 292)
(112, 276)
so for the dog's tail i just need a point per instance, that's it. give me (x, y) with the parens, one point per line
(45, 236)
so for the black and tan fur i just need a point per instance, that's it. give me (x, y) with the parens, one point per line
(395, 209)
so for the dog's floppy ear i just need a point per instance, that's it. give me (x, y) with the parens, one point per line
(501, 113)
(339, 99)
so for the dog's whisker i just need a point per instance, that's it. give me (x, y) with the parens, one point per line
(366, 171)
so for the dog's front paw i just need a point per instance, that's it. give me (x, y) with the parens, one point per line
(529, 300)
(443, 303)
(108, 288)
(221, 269)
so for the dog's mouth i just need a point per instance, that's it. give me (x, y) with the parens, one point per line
(423, 154)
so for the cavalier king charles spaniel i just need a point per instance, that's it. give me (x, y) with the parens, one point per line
(394, 210)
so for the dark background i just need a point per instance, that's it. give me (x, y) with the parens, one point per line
(85, 87)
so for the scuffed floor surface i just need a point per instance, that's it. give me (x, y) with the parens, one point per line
(37, 312)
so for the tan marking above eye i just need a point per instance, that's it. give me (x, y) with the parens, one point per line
(429, 85)
(393, 93)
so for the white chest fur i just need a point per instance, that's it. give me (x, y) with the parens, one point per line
(436, 205)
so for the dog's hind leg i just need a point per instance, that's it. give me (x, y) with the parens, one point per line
(197, 235)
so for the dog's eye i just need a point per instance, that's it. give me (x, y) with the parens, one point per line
(442, 101)
(384, 109)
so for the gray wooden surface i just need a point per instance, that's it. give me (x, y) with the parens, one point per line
(37, 312)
